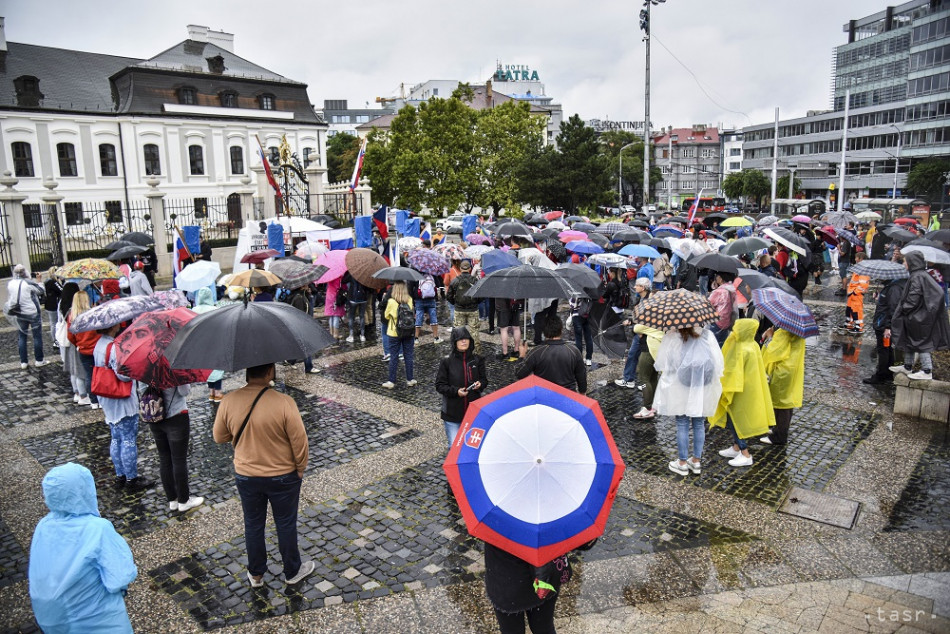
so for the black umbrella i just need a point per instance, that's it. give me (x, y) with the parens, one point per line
(608, 331)
(926, 242)
(139, 238)
(126, 252)
(716, 216)
(940, 235)
(512, 229)
(399, 274)
(716, 262)
(598, 239)
(790, 239)
(583, 276)
(525, 282)
(538, 220)
(243, 335)
(658, 243)
(573, 219)
(639, 223)
(679, 220)
(631, 236)
(745, 245)
(556, 247)
(899, 234)
(586, 227)
(118, 244)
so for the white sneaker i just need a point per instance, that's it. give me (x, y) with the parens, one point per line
(190, 504)
(411, 383)
(622, 383)
(95, 406)
(255, 583)
(349, 339)
(173, 505)
(314, 370)
(899, 368)
(587, 362)
(84, 401)
(644, 413)
(24, 366)
(76, 398)
(363, 338)
(389, 385)
(676, 467)
(695, 466)
(729, 452)
(305, 569)
(920, 375)
(765, 440)
(40, 364)
(741, 461)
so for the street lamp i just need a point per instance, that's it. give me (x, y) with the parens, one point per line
(620, 173)
(645, 27)
(791, 180)
(897, 159)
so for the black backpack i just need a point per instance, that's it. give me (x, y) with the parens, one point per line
(405, 321)
(459, 289)
(152, 406)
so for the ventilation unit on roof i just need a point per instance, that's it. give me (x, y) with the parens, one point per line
(192, 68)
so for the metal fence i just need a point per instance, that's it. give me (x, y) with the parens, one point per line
(344, 207)
(91, 226)
(6, 244)
(43, 235)
(219, 218)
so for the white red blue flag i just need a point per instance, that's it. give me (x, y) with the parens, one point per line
(380, 220)
(358, 168)
(332, 239)
(426, 232)
(692, 210)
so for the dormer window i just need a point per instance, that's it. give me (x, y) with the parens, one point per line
(268, 102)
(27, 90)
(188, 96)
(215, 64)
(229, 99)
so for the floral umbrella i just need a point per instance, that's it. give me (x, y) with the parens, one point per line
(117, 311)
(140, 349)
(408, 244)
(477, 238)
(476, 251)
(89, 269)
(450, 250)
(428, 261)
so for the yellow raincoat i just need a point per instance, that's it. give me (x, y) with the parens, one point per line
(745, 391)
(784, 359)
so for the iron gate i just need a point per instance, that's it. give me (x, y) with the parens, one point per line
(43, 235)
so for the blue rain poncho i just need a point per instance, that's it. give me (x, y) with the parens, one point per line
(79, 566)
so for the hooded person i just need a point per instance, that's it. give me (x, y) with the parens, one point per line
(80, 566)
(204, 302)
(138, 282)
(919, 325)
(460, 379)
(784, 359)
(745, 407)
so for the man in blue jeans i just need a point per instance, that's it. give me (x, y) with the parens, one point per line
(270, 455)
(24, 294)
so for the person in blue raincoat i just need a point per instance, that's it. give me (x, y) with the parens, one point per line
(80, 566)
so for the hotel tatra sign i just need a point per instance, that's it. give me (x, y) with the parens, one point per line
(515, 72)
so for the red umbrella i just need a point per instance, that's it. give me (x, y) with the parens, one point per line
(256, 257)
(907, 220)
(140, 350)
(553, 215)
(828, 234)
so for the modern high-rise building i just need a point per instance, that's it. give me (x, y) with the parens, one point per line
(894, 72)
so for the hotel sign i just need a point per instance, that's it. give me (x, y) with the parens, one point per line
(515, 72)
(604, 125)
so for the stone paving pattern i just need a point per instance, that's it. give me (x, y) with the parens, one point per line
(704, 553)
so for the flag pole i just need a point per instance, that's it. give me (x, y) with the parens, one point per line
(264, 158)
(184, 244)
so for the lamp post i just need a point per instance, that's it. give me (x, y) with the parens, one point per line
(645, 27)
(791, 180)
(897, 159)
(620, 173)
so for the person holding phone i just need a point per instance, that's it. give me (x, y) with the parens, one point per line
(461, 378)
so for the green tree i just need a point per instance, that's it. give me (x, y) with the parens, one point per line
(733, 185)
(505, 136)
(748, 183)
(538, 181)
(781, 187)
(581, 166)
(342, 150)
(928, 178)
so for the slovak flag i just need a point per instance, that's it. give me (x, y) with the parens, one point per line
(692, 210)
(379, 219)
(333, 239)
(179, 255)
(270, 173)
(355, 181)
(426, 232)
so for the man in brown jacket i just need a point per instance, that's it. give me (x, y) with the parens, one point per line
(270, 456)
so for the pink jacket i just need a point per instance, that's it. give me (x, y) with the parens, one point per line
(330, 309)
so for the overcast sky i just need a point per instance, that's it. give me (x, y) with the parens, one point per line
(749, 55)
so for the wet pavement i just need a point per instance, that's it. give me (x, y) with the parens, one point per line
(393, 555)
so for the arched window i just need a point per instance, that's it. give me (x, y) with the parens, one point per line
(196, 159)
(188, 95)
(237, 159)
(107, 162)
(153, 163)
(22, 159)
(66, 153)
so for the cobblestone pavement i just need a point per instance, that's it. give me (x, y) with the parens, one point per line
(704, 553)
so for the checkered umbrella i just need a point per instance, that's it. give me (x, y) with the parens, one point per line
(785, 311)
(881, 270)
(610, 228)
(428, 261)
(534, 469)
(450, 250)
(850, 237)
(675, 309)
(294, 274)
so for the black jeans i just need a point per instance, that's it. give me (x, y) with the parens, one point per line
(171, 440)
(88, 363)
(783, 420)
(283, 493)
(885, 356)
(540, 318)
(540, 619)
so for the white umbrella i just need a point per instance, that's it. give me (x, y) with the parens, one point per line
(868, 215)
(197, 275)
(556, 224)
(610, 260)
(931, 254)
(534, 257)
(476, 251)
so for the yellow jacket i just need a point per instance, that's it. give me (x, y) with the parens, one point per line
(392, 309)
(745, 390)
(784, 359)
(654, 338)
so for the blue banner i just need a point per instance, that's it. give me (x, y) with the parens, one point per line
(412, 228)
(402, 217)
(275, 238)
(363, 227)
(192, 235)
(469, 223)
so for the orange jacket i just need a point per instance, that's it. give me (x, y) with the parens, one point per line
(85, 342)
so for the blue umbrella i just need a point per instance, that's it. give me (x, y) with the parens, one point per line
(668, 230)
(497, 260)
(639, 251)
(584, 247)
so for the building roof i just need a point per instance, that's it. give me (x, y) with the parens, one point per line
(688, 135)
(69, 80)
(192, 56)
(383, 123)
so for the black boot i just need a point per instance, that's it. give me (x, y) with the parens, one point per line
(139, 484)
(119, 482)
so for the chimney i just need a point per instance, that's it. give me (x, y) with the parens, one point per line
(3, 35)
(218, 38)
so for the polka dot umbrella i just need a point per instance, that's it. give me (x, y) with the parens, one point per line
(675, 309)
